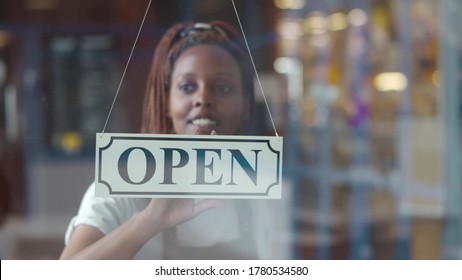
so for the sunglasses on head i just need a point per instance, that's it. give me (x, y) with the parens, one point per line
(199, 27)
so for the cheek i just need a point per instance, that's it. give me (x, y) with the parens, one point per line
(173, 116)
(171, 107)
(246, 106)
(178, 109)
(239, 113)
(243, 111)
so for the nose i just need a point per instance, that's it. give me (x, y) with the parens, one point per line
(203, 98)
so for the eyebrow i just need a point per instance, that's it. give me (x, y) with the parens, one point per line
(189, 74)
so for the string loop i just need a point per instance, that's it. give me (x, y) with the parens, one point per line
(248, 50)
(126, 66)
(255, 68)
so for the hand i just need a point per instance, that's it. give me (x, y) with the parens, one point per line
(163, 213)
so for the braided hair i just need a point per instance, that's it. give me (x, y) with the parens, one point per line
(176, 40)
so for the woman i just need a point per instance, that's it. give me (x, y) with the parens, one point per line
(199, 83)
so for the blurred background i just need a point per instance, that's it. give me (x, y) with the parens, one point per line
(367, 94)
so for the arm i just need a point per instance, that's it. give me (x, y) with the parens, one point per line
(124, 242)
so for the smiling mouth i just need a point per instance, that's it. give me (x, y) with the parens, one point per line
(203, 122)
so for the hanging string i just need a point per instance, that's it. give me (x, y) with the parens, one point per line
(248, 49)
(126, 66)
(254, 68)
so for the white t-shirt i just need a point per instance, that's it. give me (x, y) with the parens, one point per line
(212, 227)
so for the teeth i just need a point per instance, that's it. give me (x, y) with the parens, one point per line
(203, 122)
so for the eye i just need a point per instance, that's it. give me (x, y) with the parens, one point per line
(187, 87)
(224, 88)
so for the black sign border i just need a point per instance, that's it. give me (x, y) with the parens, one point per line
(168, 194)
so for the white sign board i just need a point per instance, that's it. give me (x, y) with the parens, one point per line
(188, 166)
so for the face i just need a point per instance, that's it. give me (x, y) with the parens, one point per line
(206, 92)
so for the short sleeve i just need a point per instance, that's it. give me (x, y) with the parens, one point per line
(104, 213)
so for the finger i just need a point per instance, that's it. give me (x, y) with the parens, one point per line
(207, 204)
(213, 132)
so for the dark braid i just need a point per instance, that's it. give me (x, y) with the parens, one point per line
(156, 101)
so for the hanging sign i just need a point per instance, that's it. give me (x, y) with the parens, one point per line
(188, 166)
